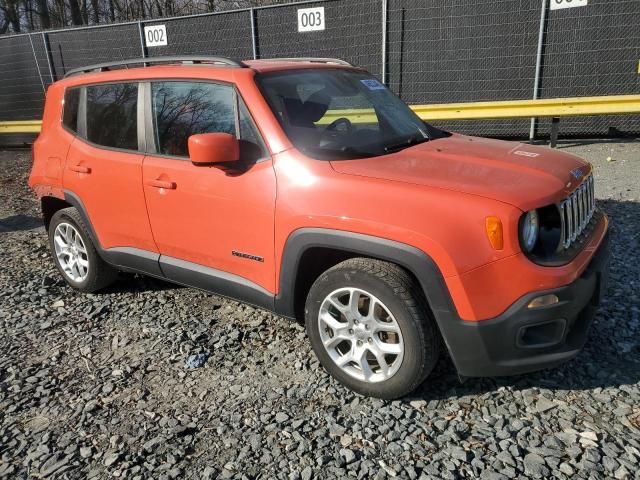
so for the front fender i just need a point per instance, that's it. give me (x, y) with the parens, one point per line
(414, 260)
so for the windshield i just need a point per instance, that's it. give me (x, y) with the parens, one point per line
(340, 114)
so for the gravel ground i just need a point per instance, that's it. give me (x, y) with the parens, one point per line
(95, 386)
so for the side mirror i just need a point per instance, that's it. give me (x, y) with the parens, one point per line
(207, 148)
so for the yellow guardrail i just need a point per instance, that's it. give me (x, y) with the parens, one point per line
(552, 107)
(21, 126)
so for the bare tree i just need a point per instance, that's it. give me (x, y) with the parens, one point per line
(30, 15)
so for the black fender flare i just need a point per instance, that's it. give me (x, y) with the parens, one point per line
(411, 258)
(74, 200)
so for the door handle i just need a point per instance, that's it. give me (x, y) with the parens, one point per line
(80, 169)
(162, 184)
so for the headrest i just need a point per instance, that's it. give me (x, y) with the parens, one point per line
(316, 106)
(305, 114)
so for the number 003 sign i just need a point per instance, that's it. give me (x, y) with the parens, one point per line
(558, 4)
(155, 36)
(310, 19)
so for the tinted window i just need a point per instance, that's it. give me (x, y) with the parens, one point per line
(70, 111)
(181, 109)
(112, 115)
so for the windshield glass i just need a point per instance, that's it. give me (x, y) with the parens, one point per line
(340, 114)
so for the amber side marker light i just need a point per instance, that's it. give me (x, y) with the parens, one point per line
(543, 301)
(493, 226)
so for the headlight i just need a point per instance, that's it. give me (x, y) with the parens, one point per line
(529, 230)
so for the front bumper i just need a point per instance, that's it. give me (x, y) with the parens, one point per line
(523, 340)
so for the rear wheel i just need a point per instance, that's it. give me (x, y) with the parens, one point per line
(371, 328)
(75, 255)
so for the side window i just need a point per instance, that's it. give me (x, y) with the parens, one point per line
(182, 109)
(70, 109)
(112, 115)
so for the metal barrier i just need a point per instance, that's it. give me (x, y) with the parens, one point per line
(554, 108)
(426, 52)
(21, 126)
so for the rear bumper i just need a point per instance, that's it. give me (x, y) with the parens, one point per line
(523, 340)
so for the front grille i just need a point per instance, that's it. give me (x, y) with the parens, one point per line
(576, 211)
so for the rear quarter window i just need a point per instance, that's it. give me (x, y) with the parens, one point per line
(70, 109)
(112, 115)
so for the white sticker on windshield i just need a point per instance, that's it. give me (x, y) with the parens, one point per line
(372, 84)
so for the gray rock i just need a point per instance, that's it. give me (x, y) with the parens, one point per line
(348, 455)
(86, 452)
(111, 458)
(534, 465)
(281, 417)
(307, 473)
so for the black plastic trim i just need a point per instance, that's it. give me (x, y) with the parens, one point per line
(490, 348)
(216, 281)
(411, 258)
(73, 199)
(133, 259)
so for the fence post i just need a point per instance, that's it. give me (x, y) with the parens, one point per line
(143, 49)
(383, 74)
(254, 40)
(536, 82)
(47, 50)
(35, 59)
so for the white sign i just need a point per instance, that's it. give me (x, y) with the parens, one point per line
(310, 19)
(155, 36)
(558, 4)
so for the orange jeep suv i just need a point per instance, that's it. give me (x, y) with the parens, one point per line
(305, 187)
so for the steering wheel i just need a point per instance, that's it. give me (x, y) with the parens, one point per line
(333, 126)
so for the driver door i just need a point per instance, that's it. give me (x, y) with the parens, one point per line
(217, 217)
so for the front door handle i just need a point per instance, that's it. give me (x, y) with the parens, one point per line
(162, 184)
(80, 169)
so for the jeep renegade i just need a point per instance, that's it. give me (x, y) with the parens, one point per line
(305, 187)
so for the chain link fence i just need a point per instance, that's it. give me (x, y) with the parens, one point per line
(426, 51)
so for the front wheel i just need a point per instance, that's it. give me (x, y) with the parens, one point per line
(371, 328)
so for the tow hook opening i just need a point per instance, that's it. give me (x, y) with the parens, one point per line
(540, 335)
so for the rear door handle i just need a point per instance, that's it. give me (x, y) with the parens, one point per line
(80, 169)
(162, 184)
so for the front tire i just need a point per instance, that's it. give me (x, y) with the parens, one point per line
(75, 255)
(371, 328)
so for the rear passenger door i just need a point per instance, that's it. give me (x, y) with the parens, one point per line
(104, 165)
(221, 216)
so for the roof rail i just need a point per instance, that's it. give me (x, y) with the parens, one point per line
(156, 60)
(309, 59)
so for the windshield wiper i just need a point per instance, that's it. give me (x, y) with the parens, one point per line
(409, 142)
(344, 153)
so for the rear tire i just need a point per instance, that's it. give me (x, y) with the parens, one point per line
(75, 255)
(371, 328)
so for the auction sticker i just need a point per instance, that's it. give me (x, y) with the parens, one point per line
(372, 84)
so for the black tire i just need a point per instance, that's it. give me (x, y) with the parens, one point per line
(99, 273)
(404, 299)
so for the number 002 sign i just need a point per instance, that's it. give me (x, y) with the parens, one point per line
(310, 19)
(558, 4)
(155, 36)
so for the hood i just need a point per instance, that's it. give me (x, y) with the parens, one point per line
(522, 175)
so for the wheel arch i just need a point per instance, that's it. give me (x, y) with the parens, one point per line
(334, 246)
(74, 201)
(49, 205)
